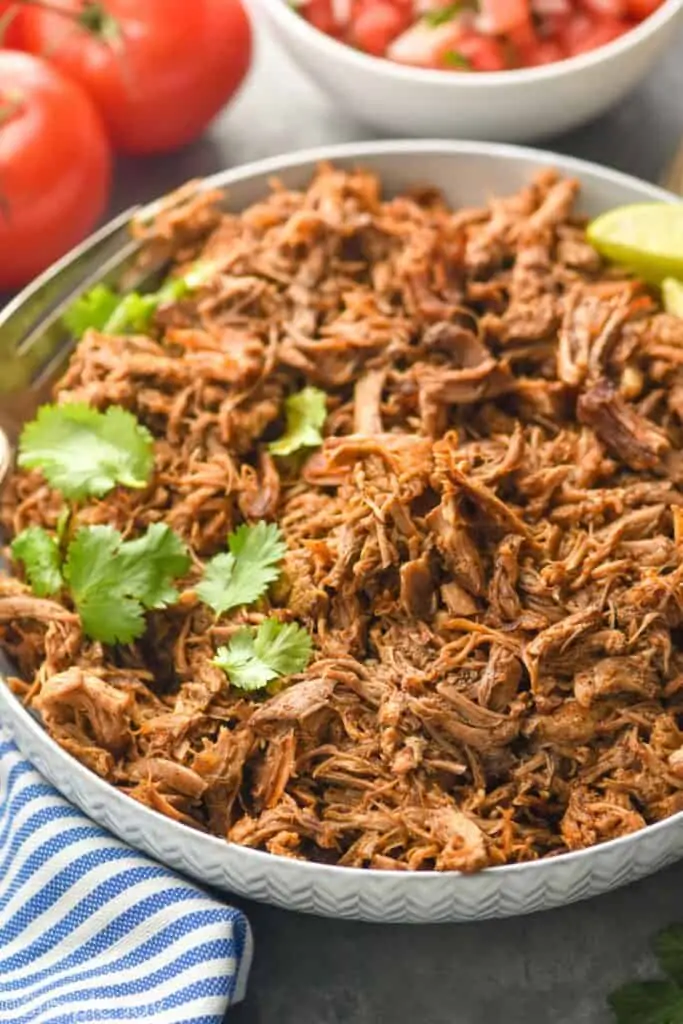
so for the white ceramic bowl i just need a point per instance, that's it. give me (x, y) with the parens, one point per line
(467, 173)
(506, 106)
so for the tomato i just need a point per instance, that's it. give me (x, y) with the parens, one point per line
(605, 8)
(584, 33)
(159, 70)
(321, 16)
(546, 51)
(55, 166)
(482, 53)
(640, 9)
(502, 16)
(376, 25)
(10, 23)
(424, 45)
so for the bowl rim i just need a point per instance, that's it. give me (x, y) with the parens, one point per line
(260, 859)
(332, 49)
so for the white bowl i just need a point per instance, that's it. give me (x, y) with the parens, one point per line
(467, 173)
(506, 106)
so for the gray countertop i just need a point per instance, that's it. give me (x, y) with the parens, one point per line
(552, 968)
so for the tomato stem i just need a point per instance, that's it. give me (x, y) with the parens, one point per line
(93, 17)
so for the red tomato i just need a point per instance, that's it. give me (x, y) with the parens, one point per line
(605, 8)
(10, 18)
(376, 25)
(546, 51)
(584, 33)
(159, 70)
(640, 9)
(425, 46)
(320, 15)
(482, 52)
(56, 165)
(502, 16)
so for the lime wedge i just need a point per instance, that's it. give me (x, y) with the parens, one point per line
(672, 296)
(646, 237)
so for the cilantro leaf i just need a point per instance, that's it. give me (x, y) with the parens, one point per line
(454, 59)
(134, 312)
(305, 413)
(442, 15)
(112, 581)
(84, 452)
(39, 553)
(151, 562)
(91, 310)
(648, 1002)
(242, 576)
(255, 657)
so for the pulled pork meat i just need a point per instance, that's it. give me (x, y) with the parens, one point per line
(486, 548)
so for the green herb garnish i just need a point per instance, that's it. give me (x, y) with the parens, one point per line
(39, 553)
(442, 15)
(83, 452)
(305, 413)
(457, 60)
(254, 657)
(242, 575)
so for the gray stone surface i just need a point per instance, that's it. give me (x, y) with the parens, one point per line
(554, 968)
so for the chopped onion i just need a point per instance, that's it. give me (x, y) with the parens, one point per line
(341, 11)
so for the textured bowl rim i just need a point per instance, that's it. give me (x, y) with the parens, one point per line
(334, 50)
(259, 859)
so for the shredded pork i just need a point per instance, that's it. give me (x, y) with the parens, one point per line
(486, 549)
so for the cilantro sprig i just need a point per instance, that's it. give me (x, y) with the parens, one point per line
(254, 657)
(105, 310)
(655, 1002)
(242, 575)
(442, 15)
(455, 59)
(305, 414)
(91, 310)
(112, 582)
(41, 557)
(85, 453)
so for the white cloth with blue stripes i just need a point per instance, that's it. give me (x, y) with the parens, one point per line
(91, 930)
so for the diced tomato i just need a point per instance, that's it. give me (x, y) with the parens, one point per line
(482, 52)
(321, 16)
(605, 8)
(546, 51)
(523, 37)
(553, 26)
(424, 46)
(497, 35)
(640, 9)
(376, 25)
(499, 17)
(584, 33)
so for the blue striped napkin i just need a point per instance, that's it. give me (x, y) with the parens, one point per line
(91, 930)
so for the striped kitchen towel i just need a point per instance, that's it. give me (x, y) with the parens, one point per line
(91, 930)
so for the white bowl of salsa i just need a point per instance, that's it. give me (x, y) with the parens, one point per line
(504, 70)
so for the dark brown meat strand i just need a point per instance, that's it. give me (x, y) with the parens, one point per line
(486, 549)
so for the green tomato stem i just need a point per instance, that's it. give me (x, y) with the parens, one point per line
(93, 17)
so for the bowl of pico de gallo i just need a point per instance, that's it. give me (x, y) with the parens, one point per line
(502, 70)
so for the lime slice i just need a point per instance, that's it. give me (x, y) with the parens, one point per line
(646, 237)
(672, 296)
